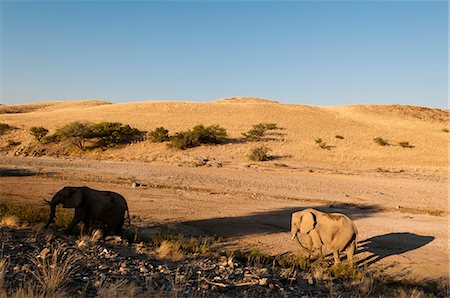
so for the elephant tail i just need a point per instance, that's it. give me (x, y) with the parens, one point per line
(129, 220)
(356, 234)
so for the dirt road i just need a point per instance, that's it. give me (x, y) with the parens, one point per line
(250, 205)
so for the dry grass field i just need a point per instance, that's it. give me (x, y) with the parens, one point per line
(397, 196)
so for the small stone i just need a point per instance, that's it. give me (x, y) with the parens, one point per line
(103, 267)
(271, 286)
(310, 281)
(263, 281)
(143, 270)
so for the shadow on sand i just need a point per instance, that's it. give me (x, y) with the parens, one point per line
(386, 245)
(270, 222)
(16, 172)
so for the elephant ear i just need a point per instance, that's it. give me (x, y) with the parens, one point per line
(307, 222)
(73, 199)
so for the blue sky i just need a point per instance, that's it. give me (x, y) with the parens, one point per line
(320, 53)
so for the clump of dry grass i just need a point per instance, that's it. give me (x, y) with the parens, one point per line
(10, 221)
(169, 251)
(52, 269)
(86, 241)
(118, 289)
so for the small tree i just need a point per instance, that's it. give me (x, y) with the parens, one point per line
(76, 132)
(159, 134)
(38, 132)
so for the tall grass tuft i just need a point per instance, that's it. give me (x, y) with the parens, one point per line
(53, 268)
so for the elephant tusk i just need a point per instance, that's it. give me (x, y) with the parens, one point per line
(293, 236)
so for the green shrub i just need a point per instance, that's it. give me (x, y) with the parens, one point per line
(38, 132)
(75, 132)
(259, 153)
(339, 137)
(198, 135)
(4, 128)
(159, 135)
(109, 134)
(381, 141)
(259, 130)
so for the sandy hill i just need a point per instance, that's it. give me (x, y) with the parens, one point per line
(293, 145)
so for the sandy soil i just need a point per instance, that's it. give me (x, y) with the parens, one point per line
(250, 206)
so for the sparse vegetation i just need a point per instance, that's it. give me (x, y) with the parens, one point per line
(322, 144)
(159, 135)
(12, 143)
(380, 141)
(339, 137)
(259, 153)
(445, 130)
(38, 132)
(213, 134)
(54, 138)
(34, 214)
(259, 130)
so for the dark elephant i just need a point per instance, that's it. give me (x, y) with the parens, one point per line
(91, 206)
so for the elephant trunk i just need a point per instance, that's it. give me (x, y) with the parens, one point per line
(52, 203)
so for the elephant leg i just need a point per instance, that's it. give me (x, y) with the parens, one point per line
(119, 228)
(350, 252)
(77, 218)
(87, 226)
(336, 257)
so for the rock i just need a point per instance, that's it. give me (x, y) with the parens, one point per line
(311, 281)
(263, 281)
(143, 269)
(103, 267)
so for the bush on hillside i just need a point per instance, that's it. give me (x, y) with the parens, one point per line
(405, 144)
(109, 134)
(259, 153)
(54, 138)
(159, 135)
(259, 130)
(38, 132)
(381, 141)
(75, 132)
(4, 128)
(213, 134)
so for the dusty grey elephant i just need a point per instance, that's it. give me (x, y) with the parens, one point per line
(91, 206)
(335, 231)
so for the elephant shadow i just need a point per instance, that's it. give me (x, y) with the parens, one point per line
(15, 172)
(386, 245)
(271, 221)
